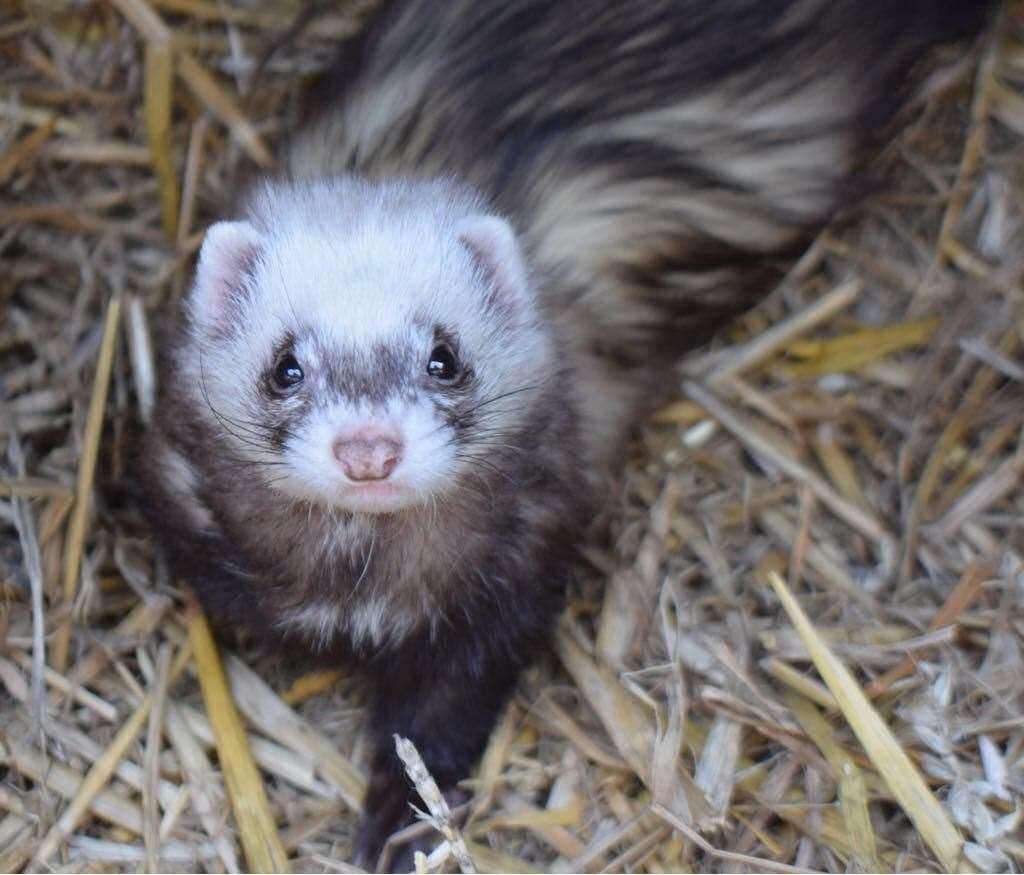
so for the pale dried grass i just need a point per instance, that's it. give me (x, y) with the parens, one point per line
(800, 649)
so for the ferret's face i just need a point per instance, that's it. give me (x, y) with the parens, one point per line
(368, 363)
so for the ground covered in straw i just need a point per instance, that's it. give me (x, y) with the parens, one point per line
(851, 453)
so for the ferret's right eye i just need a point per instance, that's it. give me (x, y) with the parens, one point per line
(287, 372)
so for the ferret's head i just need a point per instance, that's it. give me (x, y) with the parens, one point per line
(362, 346)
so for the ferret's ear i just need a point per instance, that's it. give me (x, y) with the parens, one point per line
(495, 252)
(229, 251)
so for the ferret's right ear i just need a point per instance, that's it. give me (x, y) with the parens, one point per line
(229, 251)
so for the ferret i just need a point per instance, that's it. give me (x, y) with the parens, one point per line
(406, 359)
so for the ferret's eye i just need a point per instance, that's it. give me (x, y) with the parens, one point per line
(287, 372)
(442, 364)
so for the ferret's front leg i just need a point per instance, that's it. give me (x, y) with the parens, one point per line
(444, 695)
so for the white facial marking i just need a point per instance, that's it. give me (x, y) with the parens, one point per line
(426, 463)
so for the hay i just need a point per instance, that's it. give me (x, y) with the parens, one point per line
(839, 483)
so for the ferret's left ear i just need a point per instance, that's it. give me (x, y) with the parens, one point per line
(230, 249)
(495, 252)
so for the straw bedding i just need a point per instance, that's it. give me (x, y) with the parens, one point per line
(799, 647)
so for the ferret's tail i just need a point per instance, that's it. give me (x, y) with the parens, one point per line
(681, 187)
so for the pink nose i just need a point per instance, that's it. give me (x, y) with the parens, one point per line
(368, 455)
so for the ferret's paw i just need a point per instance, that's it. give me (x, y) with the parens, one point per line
(385, 809)
(383, 849)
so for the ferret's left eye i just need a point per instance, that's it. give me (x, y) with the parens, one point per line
(287, 372)
(442, 364)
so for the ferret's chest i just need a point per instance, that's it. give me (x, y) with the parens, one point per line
(370, 587)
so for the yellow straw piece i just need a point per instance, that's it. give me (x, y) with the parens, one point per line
(261, 844)
(859, 348)
(310, 685)
(157, 113)
(892, 763)
(86, 472)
